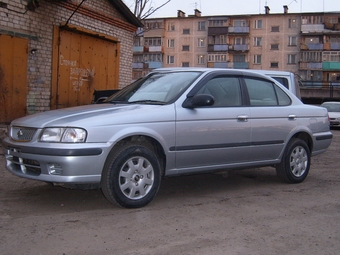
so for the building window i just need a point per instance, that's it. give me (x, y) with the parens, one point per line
(152, 57)
(185, 64)
(170, 60)
(171, 26)
(217, 57)
(201, 42)
(201, 26)
(218, 23)
(223, 39)
(331, 56)
(200, 59)
(311, 56)
(258, 24)
(240, 41)
(239, 58)
(292, 59)
(240, 23)
(275, 29)
(292, 41)
(292, 23)
(274, 46)
(171, 43)
(185, 48)
(257, 41)
(186, 31)
(274, 64)
(152, 25)
(152, 41)
(257, 59)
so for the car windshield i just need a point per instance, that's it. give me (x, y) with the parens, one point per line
(156, 88)
(332, 107)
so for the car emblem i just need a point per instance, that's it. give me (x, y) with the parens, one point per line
(20, 133)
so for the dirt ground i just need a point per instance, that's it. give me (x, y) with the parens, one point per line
(246, 212)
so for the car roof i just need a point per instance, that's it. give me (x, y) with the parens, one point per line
(211, 70)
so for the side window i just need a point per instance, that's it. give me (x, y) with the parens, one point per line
(283, 98)
(225, 90)
(265, 93)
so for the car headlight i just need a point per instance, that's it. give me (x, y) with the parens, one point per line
(63, 135)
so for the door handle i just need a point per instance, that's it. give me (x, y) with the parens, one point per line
(243, 118)
(291, 117)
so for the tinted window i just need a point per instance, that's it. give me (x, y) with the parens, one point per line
(265, 93)
(225, 90)
(283, 81)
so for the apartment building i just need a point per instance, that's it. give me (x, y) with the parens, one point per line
(320, 47)
(307, 44)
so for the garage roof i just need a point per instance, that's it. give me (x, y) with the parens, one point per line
(119, 5)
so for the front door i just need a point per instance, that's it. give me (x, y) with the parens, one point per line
(217, 135)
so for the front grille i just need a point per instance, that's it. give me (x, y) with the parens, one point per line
(22, 134)
(25, 166)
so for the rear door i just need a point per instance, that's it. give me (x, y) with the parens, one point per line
(272, 118)
(214, 136)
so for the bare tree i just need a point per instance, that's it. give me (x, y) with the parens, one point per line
(143, 8)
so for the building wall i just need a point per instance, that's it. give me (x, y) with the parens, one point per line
(181, 40)
(281, 38)
(37, 25)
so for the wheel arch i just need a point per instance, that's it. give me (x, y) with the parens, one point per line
(147, 141)
(305, 137)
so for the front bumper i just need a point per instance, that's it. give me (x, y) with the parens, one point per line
(63, 163)
(334, 123)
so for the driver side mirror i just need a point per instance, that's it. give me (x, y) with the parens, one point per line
(198, 101)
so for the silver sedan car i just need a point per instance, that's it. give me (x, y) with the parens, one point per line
(171, 122)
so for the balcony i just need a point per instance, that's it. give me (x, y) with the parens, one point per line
(335, 46)
(138, 49)
(238, 30)
(331, 66)
(153, 49)
(239, 47)
(140, 65)
(217, 47)
(312, 46)
(312, 29)
(332, 26)
(311, 65)
(241, 65)
(155, 64)
(220, 64)
(217, 30)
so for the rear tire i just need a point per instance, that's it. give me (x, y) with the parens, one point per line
(295, 163)
(131, 176)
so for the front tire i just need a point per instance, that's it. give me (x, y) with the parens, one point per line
(131, 176)
(295, 163)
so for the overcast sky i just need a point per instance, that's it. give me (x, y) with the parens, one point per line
(230, 7)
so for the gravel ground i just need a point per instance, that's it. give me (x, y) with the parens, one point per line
(244, 212)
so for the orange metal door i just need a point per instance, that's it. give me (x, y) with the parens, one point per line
(85, 63)
(13, 77)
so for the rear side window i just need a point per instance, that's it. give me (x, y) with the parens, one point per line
(265, 93)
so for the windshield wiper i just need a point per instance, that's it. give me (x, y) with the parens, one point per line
(147, 102)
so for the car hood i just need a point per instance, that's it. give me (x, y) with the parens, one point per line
(94, 115)
(334, 114)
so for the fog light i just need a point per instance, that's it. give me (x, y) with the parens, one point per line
(55, 169)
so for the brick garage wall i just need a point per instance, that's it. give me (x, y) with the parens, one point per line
(37, 26)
